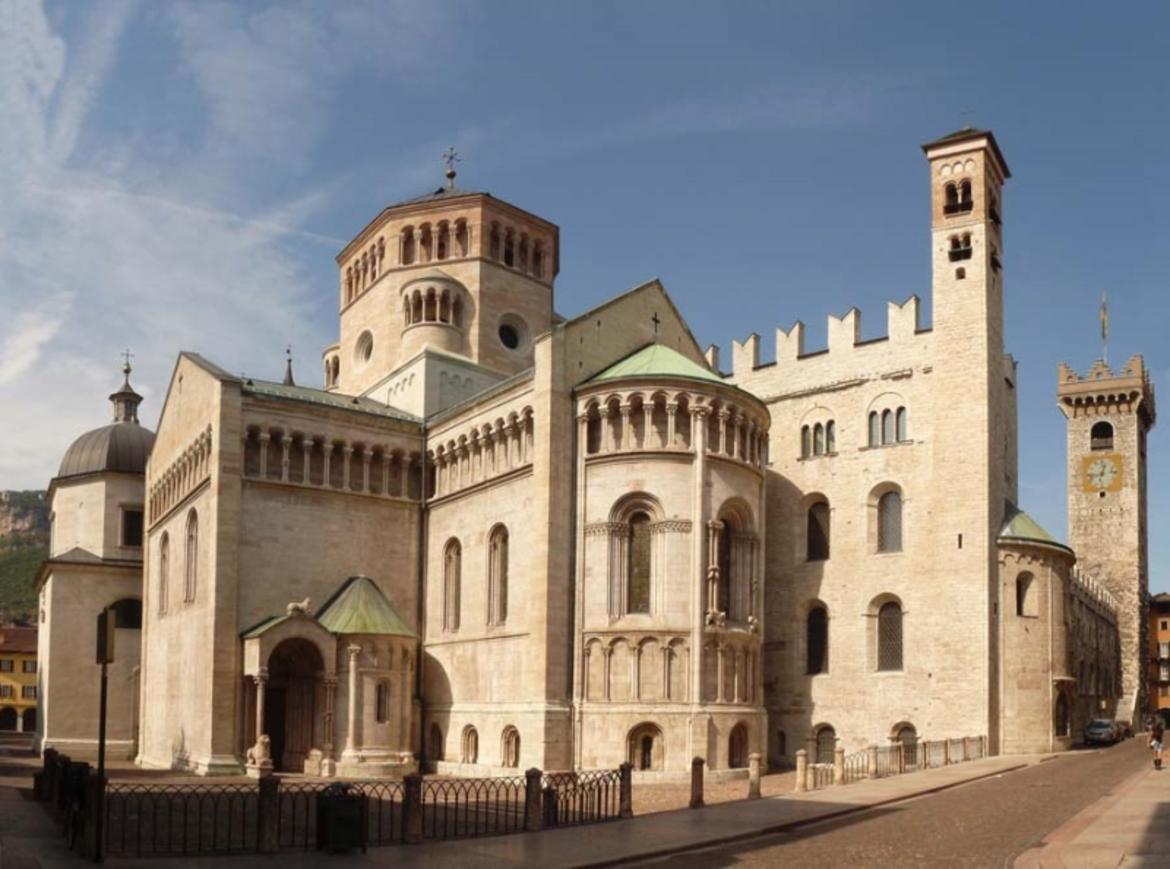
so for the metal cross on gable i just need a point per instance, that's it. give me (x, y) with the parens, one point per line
(656, 322)
(451, 157)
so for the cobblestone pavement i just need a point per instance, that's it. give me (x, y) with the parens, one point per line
(985, 823)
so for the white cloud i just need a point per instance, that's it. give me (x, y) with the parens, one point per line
(161, 249)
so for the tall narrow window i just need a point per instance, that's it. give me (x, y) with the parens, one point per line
(382, 702)
(889, 530)
(902, 432)
(818, 440)
(818, 531)
(817, 640)
(805, 442)
(889, 651)
(1060, 716)
(874, 429)
(1025, 596)
(510, 747)
(638, 565)
(132, 528)
(826, 744)
(498, 576)
(1101, 436)
(887, 427)
(452, 565)
(164, 572)
(830, 437)
(191, 557)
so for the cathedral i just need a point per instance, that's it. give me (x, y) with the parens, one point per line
(498, 538)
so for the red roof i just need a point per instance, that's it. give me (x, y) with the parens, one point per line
(18, 640)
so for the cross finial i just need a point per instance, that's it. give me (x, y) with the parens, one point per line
(288, 374)
(451, 157)
(127, 356)
(966, 115)
(656, 323)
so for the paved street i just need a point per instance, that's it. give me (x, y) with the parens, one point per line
(985, 823)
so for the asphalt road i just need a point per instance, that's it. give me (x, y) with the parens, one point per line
(985, 823)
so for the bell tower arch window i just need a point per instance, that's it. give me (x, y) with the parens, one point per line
(1101, 436)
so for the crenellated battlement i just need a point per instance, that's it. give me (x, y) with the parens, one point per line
(1088, 588)
(844, 335)
(1102, 388)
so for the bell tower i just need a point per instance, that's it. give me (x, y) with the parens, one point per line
(1109, 415)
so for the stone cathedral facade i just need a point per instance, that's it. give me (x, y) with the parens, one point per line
(498, 537)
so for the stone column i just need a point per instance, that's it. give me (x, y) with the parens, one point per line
(801, 771)
(326, 463)
(723, 416)
(351, 738)
(754, 776)
(307, 449)
(260, 763)
(720, 691)
(648, 424)
(671, 410)
(839, 764)
(264, 438)
(385, 473)
(627, 430)
(346, 454)
(871, 761)
(367, 457)
(697, 783)
(285, 443)
(607, 652)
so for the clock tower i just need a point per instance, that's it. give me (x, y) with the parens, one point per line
(1109, 416)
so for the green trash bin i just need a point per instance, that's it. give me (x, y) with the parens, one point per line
(341, 819)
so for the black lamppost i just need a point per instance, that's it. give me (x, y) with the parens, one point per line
(107, 622)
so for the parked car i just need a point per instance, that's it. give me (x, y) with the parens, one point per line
(1124, 729)
(1101, 731)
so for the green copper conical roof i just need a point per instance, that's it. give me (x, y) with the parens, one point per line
(359, 607)
(1019, 526)
(655, 360)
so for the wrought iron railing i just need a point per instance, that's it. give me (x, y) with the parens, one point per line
(459, 808)
(856, 766)
(581, 797)
(820, 775)
(170, 820)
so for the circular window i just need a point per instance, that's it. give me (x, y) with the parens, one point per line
(364, 348)
(513, 332)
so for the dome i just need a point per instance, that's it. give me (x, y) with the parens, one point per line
(123, 446)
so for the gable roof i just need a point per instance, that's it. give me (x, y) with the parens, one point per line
(359, 607)
(310, 395)
(656, 360)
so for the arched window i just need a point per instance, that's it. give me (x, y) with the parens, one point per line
(1060, 717)
(737, 747)
(874, 429)
(382, 702)
(818, 440)
(452, 566)
(887, 427)
(950, 198)
(889, 650)
(1101, 436)
(817, 548)
(494, 244)
(902, 430)
(817, 640)
(965, 196)
(128, 614)
(470, 745)
(638, 564)
(889, 522)
(805, 442)
(510, 747)
(907, 735)
(1025, 596)
(830, 437)
(498, 576)
(644, 747)
(435, 743)
(191, 557)
(164, 572)
(826, 744)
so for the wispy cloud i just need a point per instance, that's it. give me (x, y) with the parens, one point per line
(124, 242)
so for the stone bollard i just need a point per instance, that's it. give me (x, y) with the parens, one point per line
(754, 775)
(412, 809)
(268, 810)
(902, 757)
(626, 808)
(839, 764)
(801, 771)
(871, 761)
(697, 783)
(533, 809)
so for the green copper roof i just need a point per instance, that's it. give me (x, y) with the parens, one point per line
(1020, 526)
(359, 607)
(655, 360)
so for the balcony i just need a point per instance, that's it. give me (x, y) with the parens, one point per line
(952, 208)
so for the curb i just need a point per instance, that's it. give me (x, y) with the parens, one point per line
(794, 825)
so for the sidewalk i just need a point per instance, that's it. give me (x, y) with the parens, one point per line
(1128, 827)
(29, 841)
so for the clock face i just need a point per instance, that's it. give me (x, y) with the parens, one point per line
(1102, 473)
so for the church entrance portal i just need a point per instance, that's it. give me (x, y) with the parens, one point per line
(295, 672)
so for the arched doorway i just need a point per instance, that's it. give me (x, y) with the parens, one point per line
(907, 735)
(435, 743)
(28, 720)
(644, 748)
(7, 718)
(295, 669)
(737, 747)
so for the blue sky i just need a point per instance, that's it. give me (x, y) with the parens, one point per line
(180, 176)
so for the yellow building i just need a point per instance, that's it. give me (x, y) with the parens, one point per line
(18, 679)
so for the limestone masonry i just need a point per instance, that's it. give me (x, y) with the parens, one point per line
(498, 538)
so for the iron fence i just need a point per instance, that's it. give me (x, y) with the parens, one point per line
(384, 811)
(887, 761)
(933, 753)
(459, 808)
(581, 797)
(296, 815)
(180, 819)
(856, 766)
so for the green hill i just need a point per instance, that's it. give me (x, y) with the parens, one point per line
(24, 543)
